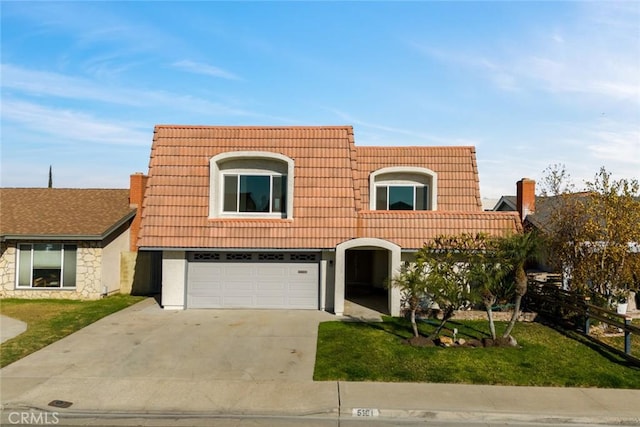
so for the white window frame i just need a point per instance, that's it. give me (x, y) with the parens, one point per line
(415, 187)
(237, 211)
(20, 249)
(217, 171)
(429, 175)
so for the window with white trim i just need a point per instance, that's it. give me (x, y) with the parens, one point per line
(46, 265)
(251, 184)
(405, 188)
(255, 193)
(402, 197)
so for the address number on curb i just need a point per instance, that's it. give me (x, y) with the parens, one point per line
(365, 412)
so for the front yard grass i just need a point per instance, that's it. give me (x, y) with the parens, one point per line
(49, 320)
(353, 351)
(617, 341)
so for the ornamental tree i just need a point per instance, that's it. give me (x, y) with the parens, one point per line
(594, 235)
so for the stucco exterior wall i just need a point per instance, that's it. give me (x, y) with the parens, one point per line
(88, 275)
(329, 259)
(111, 262)
(408, 257)
(174, 279)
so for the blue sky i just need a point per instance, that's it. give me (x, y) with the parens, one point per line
(529, 84)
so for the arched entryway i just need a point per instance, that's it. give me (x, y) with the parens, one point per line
(365, 278)
(362, 266)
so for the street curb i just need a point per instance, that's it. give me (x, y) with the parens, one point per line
(500, 417)
(68, 415)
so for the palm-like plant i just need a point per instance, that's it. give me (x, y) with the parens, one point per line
(516, 250)
(413, 284)
(488, 276)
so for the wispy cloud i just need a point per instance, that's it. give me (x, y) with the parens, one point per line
(597, 54)
(494, 70)
(48, 84)
(416, 136)
(45, 83)
(617, 142)
(73, 126)
(205, 69)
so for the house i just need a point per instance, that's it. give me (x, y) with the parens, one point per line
(68, 243)
(538, 213)
(298, 217)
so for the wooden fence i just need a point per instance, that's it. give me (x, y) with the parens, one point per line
(576, 312)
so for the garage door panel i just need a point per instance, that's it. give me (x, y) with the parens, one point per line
(270, 287)
(271, 302)
(238, 301)
(204, 288)
(237, 271)
(252, 285)
(238, 286)
(205, 301)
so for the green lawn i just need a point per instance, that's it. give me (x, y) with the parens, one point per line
(49, 320)
(618, 341)
(354, 351)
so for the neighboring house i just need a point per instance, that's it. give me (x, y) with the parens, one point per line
(298, 217)
(505, 204)
(536, 212)
(66, 243)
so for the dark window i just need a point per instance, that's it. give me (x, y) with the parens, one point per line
(255, 193)
(401, 197)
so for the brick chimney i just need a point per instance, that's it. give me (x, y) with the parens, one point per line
(525, 197)
(137, 186)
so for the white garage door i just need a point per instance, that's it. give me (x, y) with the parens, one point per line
(252, 280)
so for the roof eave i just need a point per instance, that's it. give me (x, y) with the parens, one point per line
(71, 237)
(179, 249)
(65, 237)
(131, 214)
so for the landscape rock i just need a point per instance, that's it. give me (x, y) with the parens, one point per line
(420, 342)
(445, 341)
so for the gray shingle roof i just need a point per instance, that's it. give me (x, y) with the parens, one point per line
(62, 212)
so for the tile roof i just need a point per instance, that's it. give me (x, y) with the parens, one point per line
(410, 230)
(458, 182)
(61, 212)
(331, 188)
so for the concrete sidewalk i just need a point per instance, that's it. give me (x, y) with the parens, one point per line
(144, 362)
(141, 398)
(10, 328)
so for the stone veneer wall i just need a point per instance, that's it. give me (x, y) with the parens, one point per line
(88, 274)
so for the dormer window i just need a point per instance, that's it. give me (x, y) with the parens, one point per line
(403, 188)
(251, 184)
(255, 193)
(402, 197)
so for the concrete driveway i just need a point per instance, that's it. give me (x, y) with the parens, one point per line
(144, 354)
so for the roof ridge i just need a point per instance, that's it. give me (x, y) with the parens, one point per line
(64, 188)
(394, 147)
(331, 127)
(353, 156)
(437, 212)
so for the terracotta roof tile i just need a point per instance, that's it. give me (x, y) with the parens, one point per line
(331, 188)
(61, 211)
(458, 182)
(411, 230)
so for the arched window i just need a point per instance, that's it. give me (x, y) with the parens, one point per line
(251, 184)
(403, 188)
